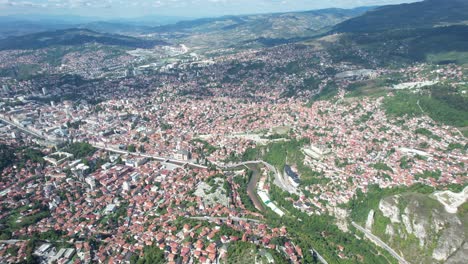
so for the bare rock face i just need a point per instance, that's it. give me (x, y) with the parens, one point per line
(460, 256)
(389, 231)
(341, 218)
(421, 229)
(389, 208)
(448, 243)
(407, 222)
(370, 220)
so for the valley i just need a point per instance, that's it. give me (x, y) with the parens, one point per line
(325, 136)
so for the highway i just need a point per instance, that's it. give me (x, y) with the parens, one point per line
(380, 243)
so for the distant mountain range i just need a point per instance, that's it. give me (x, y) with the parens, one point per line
(69, 37)
(17, 25)
(308, 20)
(208, 33)
(256, 30)
(410, 32)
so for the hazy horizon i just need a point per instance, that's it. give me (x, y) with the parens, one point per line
(114, 9)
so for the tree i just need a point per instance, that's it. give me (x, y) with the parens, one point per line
(6, 156)
(131, 148)
(80, 150)
(30, 258)
(142, 149)
(150, 255)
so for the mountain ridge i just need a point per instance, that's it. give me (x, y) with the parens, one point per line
(428, 13)
(186, 24)
(71, 37)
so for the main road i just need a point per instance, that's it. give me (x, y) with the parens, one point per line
(104, 147)
(380, 243)
(28, 131)
(278, 179)
(146, 155)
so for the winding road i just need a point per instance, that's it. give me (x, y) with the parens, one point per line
(380, 243)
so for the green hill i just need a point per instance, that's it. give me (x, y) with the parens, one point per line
(428, 13)
(434, 31)
(440, 45)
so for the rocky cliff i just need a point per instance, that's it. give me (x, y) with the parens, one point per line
(420, 229)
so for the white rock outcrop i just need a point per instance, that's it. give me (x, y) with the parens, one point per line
(389, 231)
(406, 221)
(370, 220)
(441, 234)
(389, 208)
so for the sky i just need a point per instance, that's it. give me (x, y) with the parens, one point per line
(179, 8)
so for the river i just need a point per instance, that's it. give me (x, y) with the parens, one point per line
(252, 188)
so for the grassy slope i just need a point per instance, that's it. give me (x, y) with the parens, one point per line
(397, 47)
(440, 103)
(409, 245)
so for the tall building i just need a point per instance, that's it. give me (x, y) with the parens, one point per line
(125, 186)
(91, 181)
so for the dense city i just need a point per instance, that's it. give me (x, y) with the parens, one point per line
(174, 155)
